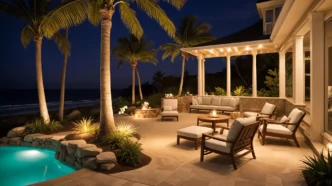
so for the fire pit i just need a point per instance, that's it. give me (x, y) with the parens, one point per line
(147, 113)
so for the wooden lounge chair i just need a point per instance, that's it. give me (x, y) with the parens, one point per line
(266, 112)
(282, 129)
(239, 138)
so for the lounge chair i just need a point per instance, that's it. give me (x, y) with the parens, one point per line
(239, 138)
(170, 109)
(285, 128)
(266, 112)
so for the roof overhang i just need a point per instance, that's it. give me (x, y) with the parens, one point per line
(261, 7)
(233, 49)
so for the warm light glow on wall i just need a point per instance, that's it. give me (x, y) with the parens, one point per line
(211, 51)
(260, 46)
(329, 147)
(229, 49)
(247, 48)
(221, 50)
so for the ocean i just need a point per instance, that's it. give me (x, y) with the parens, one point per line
(25, 101)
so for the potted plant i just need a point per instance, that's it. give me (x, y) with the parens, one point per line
(318, 170)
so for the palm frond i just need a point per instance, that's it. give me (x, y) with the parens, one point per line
(178, 4)
(66, 15)
(93, 11)
(15, 9)
(26, 35)
(170, 50)
(63, 43)
(119, 64)
(155, 12)
(38, 8)
(130, 20)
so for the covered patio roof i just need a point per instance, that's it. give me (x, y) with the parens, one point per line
(246, 41)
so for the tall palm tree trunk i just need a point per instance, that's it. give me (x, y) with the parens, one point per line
(182, 76)
(106, 111)
(40, 85)
(133, 83)
(139, 84)
(63, 83)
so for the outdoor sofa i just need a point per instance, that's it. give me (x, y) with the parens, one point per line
(219, 103)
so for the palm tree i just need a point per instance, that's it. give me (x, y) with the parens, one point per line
(158, 79)
(63, 81)
(133, 50)
(188, 34)
(103, 10)
(139, 84)
(41, 22)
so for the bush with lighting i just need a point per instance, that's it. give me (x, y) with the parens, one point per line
(84, 126)
(123, 109)
(40, 126)
(129, 153)
(123, 131)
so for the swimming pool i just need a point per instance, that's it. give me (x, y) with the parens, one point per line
(25, 165)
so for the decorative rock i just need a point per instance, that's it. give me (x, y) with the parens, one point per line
(70, 150)
(27, 144)
(78, 165)
(70, 160)
(106, 166)
(55, 140)
(42, 138)
(76, 114)
(90, 163)
(74, 143)
(86, 136)
(4, 140)
(63, 155)
(15, 141)
(35, 144)
(30, 137)
(106, 157)
(81, 147)
(16, 132)
(91, 151)
(49, 147)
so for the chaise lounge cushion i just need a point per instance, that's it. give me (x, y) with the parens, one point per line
(268, 108)
(218, 145)
(194, 131)
(276, 128)
(294, 117)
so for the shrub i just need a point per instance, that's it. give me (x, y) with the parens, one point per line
(318, 171)
(39, 126)
(114, 139)
(84, 126)
(126, 128)
(219, 91)
(129, 152)
(155, 100)
(240, 91)
(119, 102)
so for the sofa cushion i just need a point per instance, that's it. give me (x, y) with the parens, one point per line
(284, 119)
(216, 101)
(294, 117)
(226, 108)
(170, 113)
(199, 100)
(194, 101)
(277, 129)
(268, 108)
(235, 102)
(218, 145)
(226, 102)
(237, 126)
(206, 100)
(194, 131)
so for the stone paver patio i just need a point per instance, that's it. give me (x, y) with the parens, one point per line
(277, 164)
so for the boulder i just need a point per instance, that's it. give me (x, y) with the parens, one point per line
(70, 159)
(62, 156)
(16, 132)
(74, 143)
(90, 151)
(91, 163)
(43, 138)
(27, 144)
(74, 115)
(4, 140)
(70, 150)
(15, 141)
(81, 147)
(49, 146)
(35, 144)
(31, 137)
(106, 157)
(78, 165)
(106, 166)
(85, 136)
(55, 140)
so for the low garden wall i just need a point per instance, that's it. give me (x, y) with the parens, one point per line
(256, 104)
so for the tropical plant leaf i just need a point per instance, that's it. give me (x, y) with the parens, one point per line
(26, 35)
(155, 12)
(93, 11)
(178, 4)
(63, 43)
(129, 19)
(17, 9)
(66, 15)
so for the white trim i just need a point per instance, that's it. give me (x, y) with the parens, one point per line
(284, 11)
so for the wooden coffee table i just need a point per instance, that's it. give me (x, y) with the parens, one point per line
(207, 118)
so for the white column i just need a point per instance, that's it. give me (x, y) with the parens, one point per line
(199, 75)
(254, 74)
(317, 81)
(298, 71)
(203, 76)
(228, 76)
(282, 74)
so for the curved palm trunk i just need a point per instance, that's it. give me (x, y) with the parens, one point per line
(63, 84)
(139, 84)
(238, 72)
(133, 84)
(106, 111)
(40, 85)
(182, 76)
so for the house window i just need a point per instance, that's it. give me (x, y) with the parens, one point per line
(328, 58)
(271, 16)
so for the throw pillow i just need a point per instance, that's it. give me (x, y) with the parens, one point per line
(284, 119)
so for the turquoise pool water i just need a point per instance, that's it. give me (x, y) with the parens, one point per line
(24, 165)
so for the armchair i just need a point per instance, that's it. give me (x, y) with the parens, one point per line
(239, 138)
(170, 109)
(266, 112)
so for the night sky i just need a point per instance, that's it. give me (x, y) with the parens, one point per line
(18, 64)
